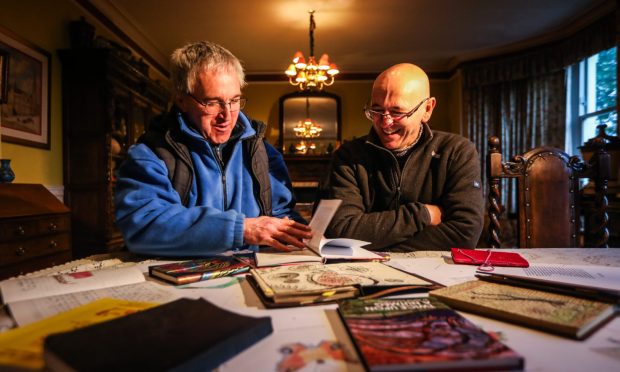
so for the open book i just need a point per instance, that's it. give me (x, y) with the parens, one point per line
(27, 288)
(574, 279)
(320, 249)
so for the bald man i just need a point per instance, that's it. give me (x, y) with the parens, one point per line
(403, 186)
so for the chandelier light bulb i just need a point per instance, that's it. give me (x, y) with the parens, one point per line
(311, 75)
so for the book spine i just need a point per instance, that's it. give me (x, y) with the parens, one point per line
(198, 277)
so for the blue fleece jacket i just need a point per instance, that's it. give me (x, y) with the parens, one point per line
(154, 221)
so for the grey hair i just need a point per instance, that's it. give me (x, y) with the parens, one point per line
(187, 62)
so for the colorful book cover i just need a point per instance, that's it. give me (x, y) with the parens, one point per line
(562, 314)
(197, 270)
(421, 334)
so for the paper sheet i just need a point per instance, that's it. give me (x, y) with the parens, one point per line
(435, 269)
(28, 311)
(602, 278)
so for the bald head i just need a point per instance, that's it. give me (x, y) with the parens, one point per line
(403, 91)
(406, 78)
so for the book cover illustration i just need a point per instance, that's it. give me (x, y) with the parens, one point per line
(196, 270)
(562, 314)
(299, 356)
(318, 277)
(421, 334)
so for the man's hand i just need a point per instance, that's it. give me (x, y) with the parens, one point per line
(275, 232)
(435, 213)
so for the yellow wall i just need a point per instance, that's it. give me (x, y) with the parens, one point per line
(45, 24)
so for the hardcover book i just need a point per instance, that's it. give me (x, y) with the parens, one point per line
(421, 334)
(22, 347)
(296, 285)
(185, 334)
(196, 270)
(564, 315)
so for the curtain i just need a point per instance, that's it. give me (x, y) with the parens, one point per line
(524, 114)
(521, 97)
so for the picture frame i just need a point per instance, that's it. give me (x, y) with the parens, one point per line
(24, 91)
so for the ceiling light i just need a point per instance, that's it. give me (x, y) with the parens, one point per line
(310, 74)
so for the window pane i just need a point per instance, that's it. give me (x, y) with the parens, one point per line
(606, 89)
(588, 129)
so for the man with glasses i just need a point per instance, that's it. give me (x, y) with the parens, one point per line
(202, 180)
(403, 186)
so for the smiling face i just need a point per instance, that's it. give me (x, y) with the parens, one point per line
(218, 85)
(399, 89)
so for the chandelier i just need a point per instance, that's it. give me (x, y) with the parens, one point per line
(307, 128)
(311, 75)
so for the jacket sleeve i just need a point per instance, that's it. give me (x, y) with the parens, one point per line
(349, 180)
(153, 220)
(283, 199)
(407, 227)
(462, 206)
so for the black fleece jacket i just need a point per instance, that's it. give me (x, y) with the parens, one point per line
(384, 204)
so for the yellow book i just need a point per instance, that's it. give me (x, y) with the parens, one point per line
(23, 347)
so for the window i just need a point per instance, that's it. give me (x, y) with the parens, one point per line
(591, 98)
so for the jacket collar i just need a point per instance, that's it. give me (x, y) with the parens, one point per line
(427, 136)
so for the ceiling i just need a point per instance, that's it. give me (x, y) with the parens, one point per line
(360, 36)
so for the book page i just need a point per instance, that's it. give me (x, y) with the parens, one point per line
(436, 269)
(602, 278)
(320, 220)
(343, 248)
(274, 257)
(28, 311)
(26, 288)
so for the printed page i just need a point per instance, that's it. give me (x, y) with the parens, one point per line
(436, 269)
(320, 220)
(603, 278)
(272, 257)
(26, 288)
(343, 248)
(28, 311)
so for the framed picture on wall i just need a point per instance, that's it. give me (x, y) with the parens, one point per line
(25, 112)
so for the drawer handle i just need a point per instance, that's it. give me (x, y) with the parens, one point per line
(20, 231)
(53, 244)
(20, 251)
(53, 227)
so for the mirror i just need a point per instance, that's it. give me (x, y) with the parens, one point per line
(309, 123)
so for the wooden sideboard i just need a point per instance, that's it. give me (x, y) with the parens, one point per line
(306, 172)
(35, 229)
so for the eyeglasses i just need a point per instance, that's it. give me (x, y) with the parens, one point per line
(395, 116)
(214, 107)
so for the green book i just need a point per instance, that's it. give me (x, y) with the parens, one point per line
(421, 334)
(561, 314)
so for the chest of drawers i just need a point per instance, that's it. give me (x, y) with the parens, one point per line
(35, 229)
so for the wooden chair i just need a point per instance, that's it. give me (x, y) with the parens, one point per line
(549, 198)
